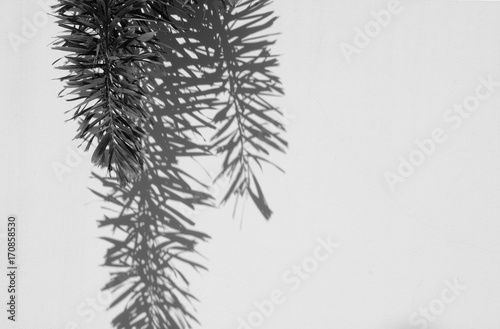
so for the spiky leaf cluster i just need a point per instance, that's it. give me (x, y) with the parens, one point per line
(110, 41)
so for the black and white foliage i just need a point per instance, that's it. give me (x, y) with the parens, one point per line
(158, 82)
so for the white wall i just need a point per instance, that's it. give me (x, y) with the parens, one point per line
(348, 125)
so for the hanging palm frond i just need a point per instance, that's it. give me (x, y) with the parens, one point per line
(110, 41)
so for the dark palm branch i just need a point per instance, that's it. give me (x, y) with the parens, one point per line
(110, 41)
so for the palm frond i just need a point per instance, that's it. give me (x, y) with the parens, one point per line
(109, 42)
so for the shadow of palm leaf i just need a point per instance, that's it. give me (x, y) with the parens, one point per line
(158, 241)
(208, 82)
(249, 126)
